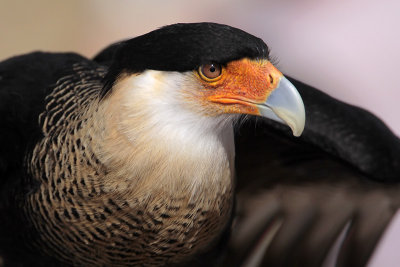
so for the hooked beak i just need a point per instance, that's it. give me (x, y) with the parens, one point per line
(285, 105)
(256, 87)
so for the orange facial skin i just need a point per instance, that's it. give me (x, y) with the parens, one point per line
(243, 84)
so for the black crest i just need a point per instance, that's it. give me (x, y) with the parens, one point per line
(183, 47)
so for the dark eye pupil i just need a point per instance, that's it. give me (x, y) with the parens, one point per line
(212, 68)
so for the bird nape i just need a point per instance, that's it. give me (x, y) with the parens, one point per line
(128, 159)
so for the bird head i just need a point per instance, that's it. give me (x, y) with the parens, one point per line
(202, 71)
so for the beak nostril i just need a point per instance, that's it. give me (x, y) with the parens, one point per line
(271, 79)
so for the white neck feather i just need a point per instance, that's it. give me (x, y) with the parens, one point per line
(153, 140)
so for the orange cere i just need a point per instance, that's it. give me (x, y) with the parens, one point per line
(244, 84)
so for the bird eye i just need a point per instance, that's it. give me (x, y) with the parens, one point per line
(210, 72)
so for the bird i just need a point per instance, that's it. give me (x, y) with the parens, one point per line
(131, 163)
(299, 197)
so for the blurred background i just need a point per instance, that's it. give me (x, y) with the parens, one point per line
(349, 49)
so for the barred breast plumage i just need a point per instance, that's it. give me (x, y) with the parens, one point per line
(90, 225)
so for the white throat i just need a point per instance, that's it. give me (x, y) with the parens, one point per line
(164, 143)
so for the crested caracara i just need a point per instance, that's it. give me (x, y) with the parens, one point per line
(131, 163)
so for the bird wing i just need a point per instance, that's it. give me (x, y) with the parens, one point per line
(306, 200)
(25, 81)
(319, 198)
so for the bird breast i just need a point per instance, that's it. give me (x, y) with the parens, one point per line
(105, 199)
